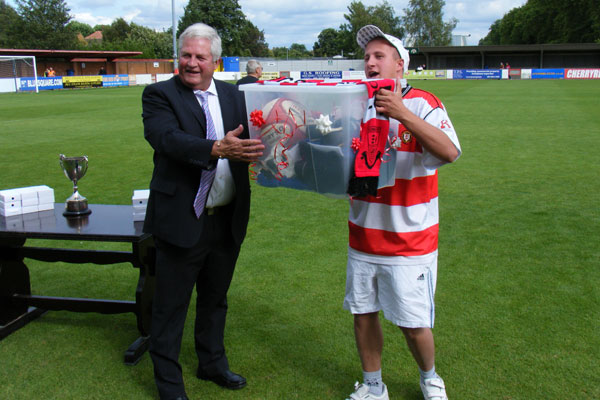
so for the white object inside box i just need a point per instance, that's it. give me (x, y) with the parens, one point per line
(307, 130)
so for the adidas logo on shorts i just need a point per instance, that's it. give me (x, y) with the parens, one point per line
(421, 277)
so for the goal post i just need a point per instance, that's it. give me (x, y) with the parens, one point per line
(16, 67)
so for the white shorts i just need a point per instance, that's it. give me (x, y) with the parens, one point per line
(404, 292)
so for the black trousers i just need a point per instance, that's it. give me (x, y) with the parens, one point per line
(208, 265)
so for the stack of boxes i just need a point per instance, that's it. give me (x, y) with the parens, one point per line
(26, 200)
(140, 201)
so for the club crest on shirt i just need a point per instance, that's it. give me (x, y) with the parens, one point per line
(406, 137)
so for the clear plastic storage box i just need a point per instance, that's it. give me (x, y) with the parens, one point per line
(307, 130)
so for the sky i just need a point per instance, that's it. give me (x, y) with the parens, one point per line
(287, 22)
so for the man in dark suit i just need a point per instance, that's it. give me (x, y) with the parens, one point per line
(254, 70)
(198, 208)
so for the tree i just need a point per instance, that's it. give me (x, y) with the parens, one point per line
(9, 18)
(329, 43)
(225, 16)
(43, 25)
(153, 44)
(281, 53)
(253, 41)
(381, 15)
(294, 52)
(80, 27)
(299, 51)
(547, 21)
(423, 22)
(118, 31)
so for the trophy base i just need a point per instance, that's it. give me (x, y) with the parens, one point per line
(67, 213)
(76, 208)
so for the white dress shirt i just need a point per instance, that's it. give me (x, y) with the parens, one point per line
(222, 190)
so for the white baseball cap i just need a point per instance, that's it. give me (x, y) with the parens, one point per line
(370, 32)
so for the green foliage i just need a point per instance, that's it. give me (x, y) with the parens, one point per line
(423, 22)
(333, 42)
(517, 301)
(80, 27)
(225, 16)
(121, 36)
(9, 18)
(547, 21)
(281, 53)
(299, 51)
(253, 41)
(43, 25)
(118, 31)
(329, 43)
(295, 51)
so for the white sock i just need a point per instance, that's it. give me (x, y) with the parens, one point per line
(427, 374)
(374, 382)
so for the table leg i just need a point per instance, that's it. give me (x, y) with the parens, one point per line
(14, 279)
(144, 255)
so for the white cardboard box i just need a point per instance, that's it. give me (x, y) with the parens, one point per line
(29, 199)
(30, 209)
(46, 206)
(10, 205)
(8, 212)
(26, 197)
(140, 197)
(10, 195)
(45, 195)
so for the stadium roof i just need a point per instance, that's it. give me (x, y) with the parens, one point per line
(71, 55)
(524, 55)
(575, 47)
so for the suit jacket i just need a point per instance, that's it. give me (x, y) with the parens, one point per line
(175, 127)
(247, 79)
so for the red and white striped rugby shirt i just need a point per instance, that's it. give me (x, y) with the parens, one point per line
(402, 220)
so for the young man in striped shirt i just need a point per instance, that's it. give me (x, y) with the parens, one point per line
(392, 255)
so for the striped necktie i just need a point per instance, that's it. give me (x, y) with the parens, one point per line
(207, 177)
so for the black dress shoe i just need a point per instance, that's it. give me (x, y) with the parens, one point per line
(227, 379)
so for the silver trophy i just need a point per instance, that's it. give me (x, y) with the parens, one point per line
(75, 168)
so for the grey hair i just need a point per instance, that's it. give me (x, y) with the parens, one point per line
(252, 65)
(203, 31)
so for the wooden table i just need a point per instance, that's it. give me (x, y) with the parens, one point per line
(106, 223)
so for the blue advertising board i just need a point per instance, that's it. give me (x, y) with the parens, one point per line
(320, 74)
(477, 74)
(115, 80)
(548, 73)
(231, 64)
(43, 83)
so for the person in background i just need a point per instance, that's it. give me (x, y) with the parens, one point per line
(102, 71)
(198, 208)
(393, 236)
(51, 72)
(254, 70)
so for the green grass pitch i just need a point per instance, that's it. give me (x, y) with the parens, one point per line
(518, 295)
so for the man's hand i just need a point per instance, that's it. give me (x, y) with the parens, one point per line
(236, 149)
(432, 138)
(390, 104)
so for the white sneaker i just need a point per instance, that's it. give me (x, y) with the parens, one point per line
(434, 389)
(361, 392)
